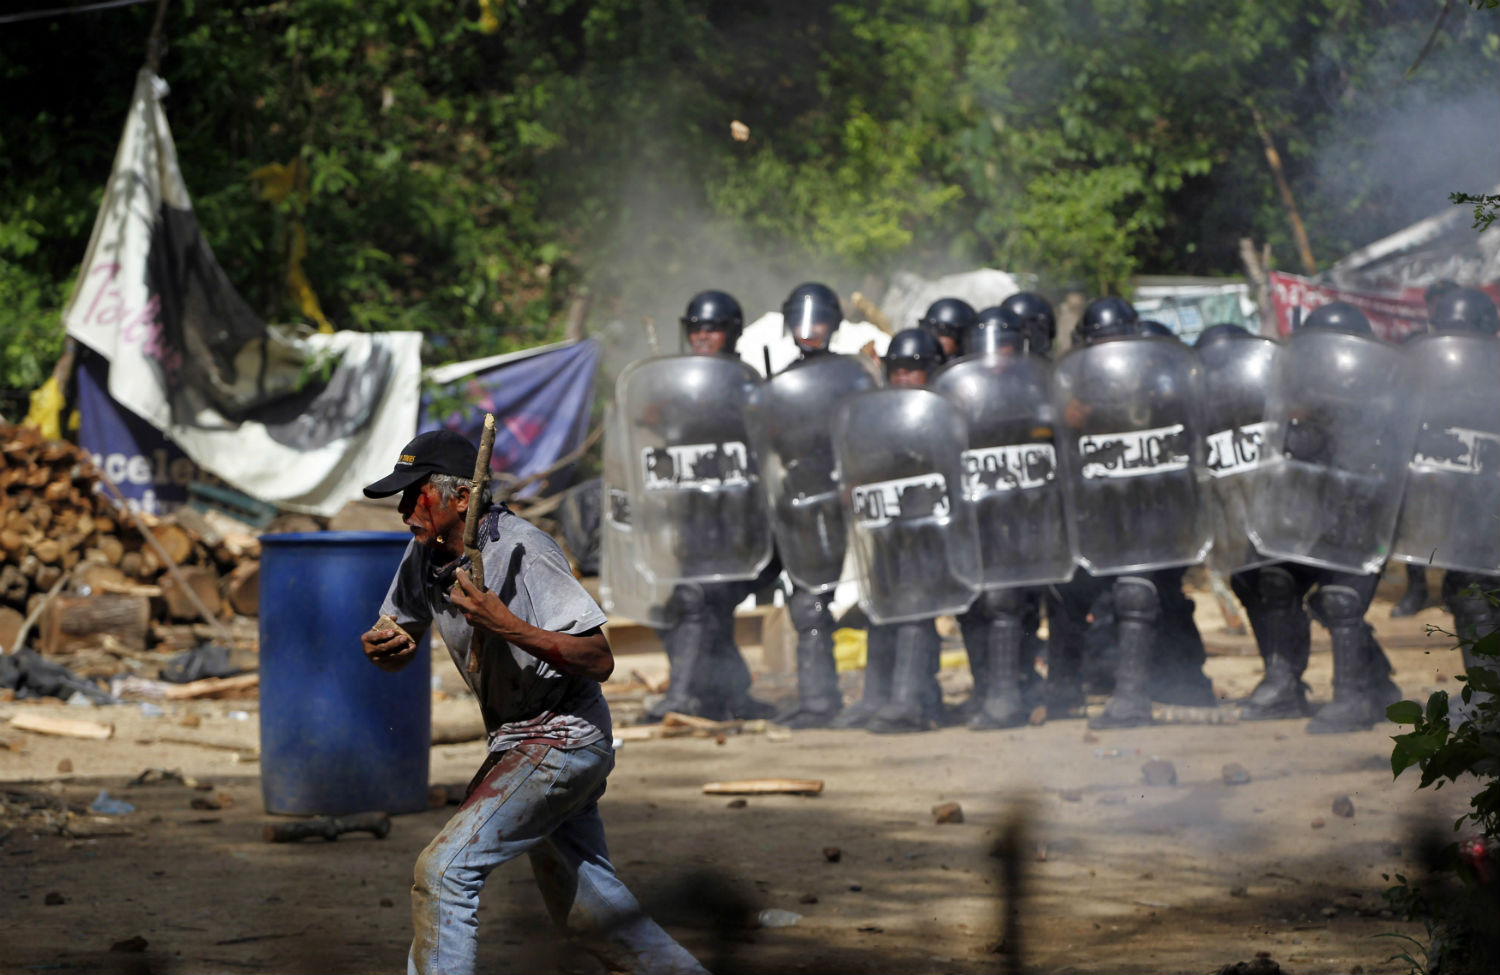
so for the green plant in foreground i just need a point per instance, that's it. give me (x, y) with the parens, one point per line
(1446, 744)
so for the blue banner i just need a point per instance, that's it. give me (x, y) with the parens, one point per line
(541, 405)
(151, 471)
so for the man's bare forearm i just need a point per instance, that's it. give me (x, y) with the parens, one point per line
(584, 654)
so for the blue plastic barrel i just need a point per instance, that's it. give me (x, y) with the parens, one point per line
(337, 734)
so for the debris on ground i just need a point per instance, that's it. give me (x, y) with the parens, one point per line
(1235, 774)
(947, 812)
(1159, 771)
(1343, 806)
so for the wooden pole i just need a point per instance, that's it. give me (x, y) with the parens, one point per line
(1273, 159)
(471, 521)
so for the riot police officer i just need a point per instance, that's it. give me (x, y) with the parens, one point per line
(788, 418)
(901, 690)
(1161, 653)
(948, 320)
(1034, 313)
(1415, 598)
(1451, 497)
(708, 674)
(1274, 594)
(995, 331)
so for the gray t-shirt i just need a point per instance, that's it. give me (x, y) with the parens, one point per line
(521, 697)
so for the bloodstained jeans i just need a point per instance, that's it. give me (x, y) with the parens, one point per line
(541, 801)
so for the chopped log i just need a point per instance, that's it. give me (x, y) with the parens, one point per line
(173, 638)
(48, 724)
(13, 585)
(110, 547)
(97, 576)
(203, 581)
(12, 542)
(30, 566)
(10, 627)
(131, 589)
(174, 539)
(764, 787)
(132, 565)
(242, 589)
(56, 492)
(48, 550)
(40, 516)
(46, 576)
(78, 621)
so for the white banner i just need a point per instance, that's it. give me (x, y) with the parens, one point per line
(297, 419)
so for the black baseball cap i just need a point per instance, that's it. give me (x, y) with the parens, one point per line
(433, 452)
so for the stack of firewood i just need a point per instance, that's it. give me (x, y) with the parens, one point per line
(63, 534)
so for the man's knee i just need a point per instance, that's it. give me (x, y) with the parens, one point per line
(1276, 587)
(431, 867)
(1136, 599)
(808, 610)
(1337, 605)
(1003, 602)
(689, 602)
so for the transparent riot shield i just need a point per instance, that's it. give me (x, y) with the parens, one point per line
(625, 587)
(1132, 449)
(1236, 376)
(1450, 514)
(900, 469)
(697, 503)
(1343, 420)
(1011, 474)
(788, 417)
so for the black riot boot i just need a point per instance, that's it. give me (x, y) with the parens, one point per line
(1000, 695)
(974, 624)
(880, 662)
(688, 642)
(1137, 608)
(1176, 670)
(721, 677)
(818, 696)
(1284, 633)
(1353, 706)
(1063, 690)
(911, 703)
(1414, 600)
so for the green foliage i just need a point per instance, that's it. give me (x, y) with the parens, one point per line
(1444, 751)
(467, 184)
(1486, 205)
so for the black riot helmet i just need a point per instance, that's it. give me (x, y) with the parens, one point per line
(1035, 314)
(1339, 316)
(996, 329)
(1222, 332)
(812, 314)
(1106, 318)
(912, 348)
(715, 310)
(951, 319)
(1465, 310)
(1150, 326)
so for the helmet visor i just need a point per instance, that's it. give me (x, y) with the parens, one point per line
(810, 323)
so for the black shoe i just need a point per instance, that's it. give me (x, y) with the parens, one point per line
(1121, 713)
(749, 708)
(800, 718)
(1412, 603)
(856, 715)
(1270, 702)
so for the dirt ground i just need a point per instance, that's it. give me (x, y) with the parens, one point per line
(1115, 875)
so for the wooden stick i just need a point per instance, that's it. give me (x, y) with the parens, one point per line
(764, 787)
(47, 724)
(240, 685)
(471, 522)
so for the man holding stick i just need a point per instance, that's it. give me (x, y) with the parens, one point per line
(539, 655)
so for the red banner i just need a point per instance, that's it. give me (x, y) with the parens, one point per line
(1393, 314)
